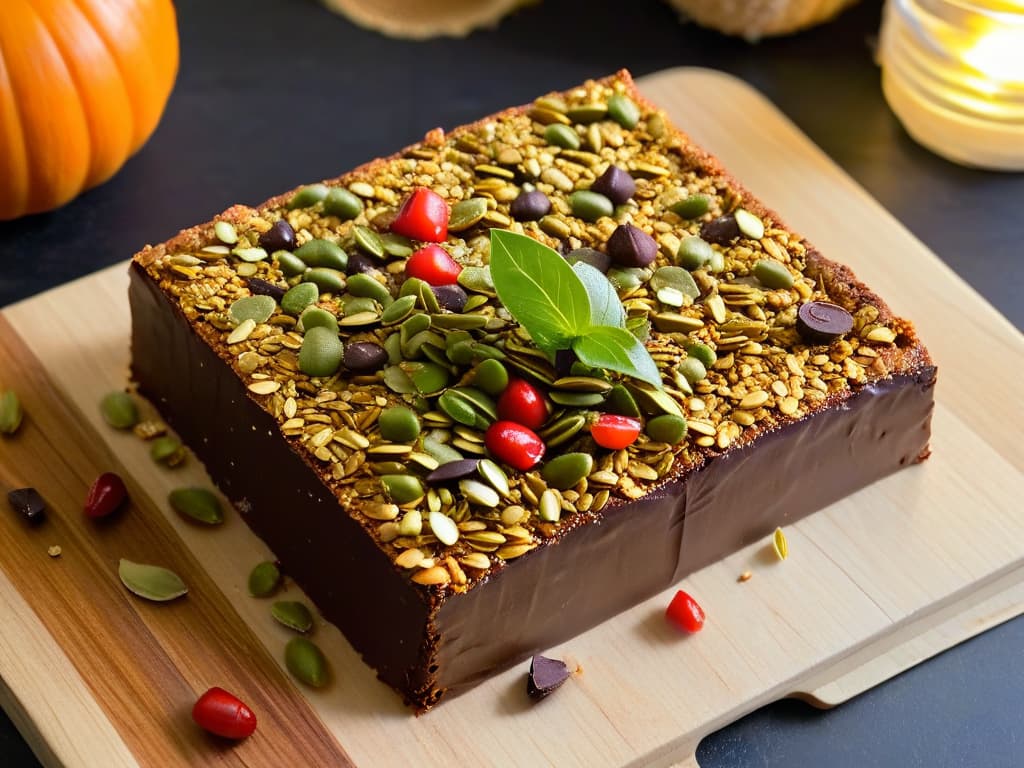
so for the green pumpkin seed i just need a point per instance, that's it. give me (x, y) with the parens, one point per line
(479, 493)
(250, 255)
(563, 472)
(321, 352)
(398, 380)
(359, 319)
(264, 579)
(10, 413)
(675, 278)
(582, 384)
(457, 408)
(398, 246)
(639, 327)
(166, 450)
(255, 308)
(466, 213)
(150, 581)
(444, 528)
(306, 662)
(494, 475)
(480, 401)
(590, 206)
(749, 224)
(197, 503)
(692, 369)
(316, 317)
(668, 322)
(428, 378)
(576, 399)
(668, 428)
(426, 298)
(369, 241)
(326, 279)
(441, 452)
(415, 324)
(625, 280)
(361, 284)
(702, 352)
(323, 253)
(402, 489)
(398, 310)
(716, 263)
(694, 253)
(652, 400)
(623, 111)
(292, 614)
(214, 252)
(691, 207)
(308, 196)
(225, 232)
(477, 280)
(119, 411)
(289, 264)
(563, 136)
(491, 377)
(587, 113)
(353, 305)
(342, 203)
(399, 424)
(563, 429)
(434, 352)
(550, 506)
(772, 274)
(296, 299)
(621, 402)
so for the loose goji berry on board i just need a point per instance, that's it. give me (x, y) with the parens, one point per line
(685, 613)
(106, 495)
(224, 714)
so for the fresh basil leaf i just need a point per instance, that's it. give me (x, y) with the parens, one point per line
(616, 349)
(539, 288)
(605, 306)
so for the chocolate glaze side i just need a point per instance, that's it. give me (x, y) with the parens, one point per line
(383, 614)
(643, 547)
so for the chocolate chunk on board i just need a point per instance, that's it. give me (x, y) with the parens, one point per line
(546, 675)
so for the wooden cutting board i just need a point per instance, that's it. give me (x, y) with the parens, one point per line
(873, 584)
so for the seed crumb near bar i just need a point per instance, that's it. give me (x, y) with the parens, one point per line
(709, 279)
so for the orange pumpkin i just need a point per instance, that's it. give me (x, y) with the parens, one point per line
(82, 86)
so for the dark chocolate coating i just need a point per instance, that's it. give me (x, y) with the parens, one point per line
(426, 643)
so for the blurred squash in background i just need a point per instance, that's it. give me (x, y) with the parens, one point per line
(83, 84)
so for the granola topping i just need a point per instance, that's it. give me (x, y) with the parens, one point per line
(709, 280)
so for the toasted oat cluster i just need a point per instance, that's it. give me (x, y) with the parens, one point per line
(392, 377)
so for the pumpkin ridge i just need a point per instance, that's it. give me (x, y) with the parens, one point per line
(12, 201)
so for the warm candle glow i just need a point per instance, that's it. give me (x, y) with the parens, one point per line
(999, 55)
(953, 72)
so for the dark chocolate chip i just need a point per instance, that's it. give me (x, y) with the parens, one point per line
(365, 357)
(722, 230)
(451, 297)
(545, 676)
(530, 206)
(359, 262)
(280, 237)
(453, 470)
(615, 184)
(564, 360)
(631, 247)
(264, 288)
(597, 259)
(819, 322)
(28, 503)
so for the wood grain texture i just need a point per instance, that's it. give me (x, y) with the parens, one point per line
(144, 663)
(873, 584)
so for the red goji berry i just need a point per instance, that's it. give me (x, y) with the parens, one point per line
(433, 265)
(514, 444)
(106, 495)
(224, 714)
(615, 432)
(523, 403)
(685, 613)
(423, 216)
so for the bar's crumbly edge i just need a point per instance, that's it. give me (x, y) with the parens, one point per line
(878, 359)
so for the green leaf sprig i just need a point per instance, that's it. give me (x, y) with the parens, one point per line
(566, 307)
